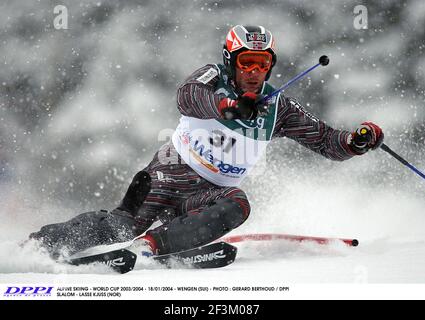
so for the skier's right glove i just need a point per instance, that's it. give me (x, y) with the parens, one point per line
(367, 136)
(246, 107)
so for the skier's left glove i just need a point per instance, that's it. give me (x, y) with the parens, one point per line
(367, 136)
(246, 107)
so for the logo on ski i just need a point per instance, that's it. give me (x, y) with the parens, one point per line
(115, 262)
(205, 257)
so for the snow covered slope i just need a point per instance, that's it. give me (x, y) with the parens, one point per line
(324, 200)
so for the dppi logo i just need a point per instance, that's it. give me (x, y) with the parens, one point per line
(27, 291)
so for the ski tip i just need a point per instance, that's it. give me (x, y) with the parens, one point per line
(354, 242)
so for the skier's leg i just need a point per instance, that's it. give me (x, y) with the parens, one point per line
(97, 227)
(206, 216)
(84, 231)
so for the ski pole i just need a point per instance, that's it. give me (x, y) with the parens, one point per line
(395, 155)
(323, 61)
(403, 161)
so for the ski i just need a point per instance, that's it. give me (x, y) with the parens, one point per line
(214, 255)
(121, 260)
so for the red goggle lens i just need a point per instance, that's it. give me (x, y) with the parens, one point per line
(249, 60)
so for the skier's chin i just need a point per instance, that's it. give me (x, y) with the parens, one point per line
(252, 87)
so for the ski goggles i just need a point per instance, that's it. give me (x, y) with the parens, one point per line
(249, 60)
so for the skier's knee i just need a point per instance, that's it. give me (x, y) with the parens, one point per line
(241, 199)
(136, 193)
(231, 212)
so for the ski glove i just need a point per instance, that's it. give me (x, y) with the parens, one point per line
(246, 107)
(367, 136)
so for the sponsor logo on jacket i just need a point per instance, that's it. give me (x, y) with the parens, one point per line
(205, 157)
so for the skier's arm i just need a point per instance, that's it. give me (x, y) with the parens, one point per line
(196, 97)
(294, 122)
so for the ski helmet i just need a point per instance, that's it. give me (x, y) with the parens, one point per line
(242, 38)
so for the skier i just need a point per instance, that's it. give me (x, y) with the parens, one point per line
(191, 185)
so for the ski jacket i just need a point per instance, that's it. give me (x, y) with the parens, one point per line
(225, 151)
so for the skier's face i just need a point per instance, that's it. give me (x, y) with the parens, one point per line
(251, 81)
